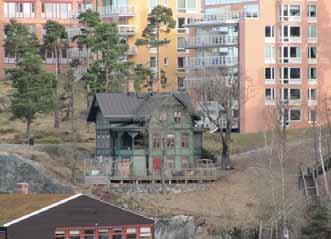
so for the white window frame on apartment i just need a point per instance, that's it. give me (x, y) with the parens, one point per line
(57, 10)
(269, 38)
(312, 59)
(271, 72)
(269, 55)
(269, 96)
(312, 33)
(290, 115)
(312, 17)
(19, 9)
(312, 77)
(310, 112)
(178, 47)
(286, 96)
(285, 55)
(186, 8)
(285, 12)
(182, 29)
(286, 36)
(285, 75)
(312, 96)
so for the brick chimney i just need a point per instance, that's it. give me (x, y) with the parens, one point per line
(155, 86)
(131, 87)
(23, 188)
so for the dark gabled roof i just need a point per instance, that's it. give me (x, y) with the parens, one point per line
(133, 106)
(76, 211)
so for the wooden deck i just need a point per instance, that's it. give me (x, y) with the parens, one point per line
(199, 176)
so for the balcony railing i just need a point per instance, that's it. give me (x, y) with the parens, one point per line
(210, 41)
(110, 11)
(211, 61)
(213, 19)
(127, 30)
(290, 60)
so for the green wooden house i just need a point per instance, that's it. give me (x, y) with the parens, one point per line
(140, 133)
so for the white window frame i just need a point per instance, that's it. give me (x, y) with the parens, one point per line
(271, 38)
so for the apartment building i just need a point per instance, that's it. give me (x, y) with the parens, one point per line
(131, 17)
(279, 51)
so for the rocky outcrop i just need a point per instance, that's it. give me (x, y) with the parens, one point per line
(15, 169)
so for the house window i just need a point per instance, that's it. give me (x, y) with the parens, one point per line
(117, 233)
(131, 233)
(145, 233)
(74, 234)
(295, 73)
(163, 116)
(19, 10)
(295, 94)
(180, 25)
(89, 234)
(177, 116)
(312, 11)
(180, 82)
(269, 54)
(56, 10)
(153, 62)
(170, 141)
(60, 234)
(185, 138)
(312, 116)
(156, 141)
(295, 115)
(103, 234)
(185, 162)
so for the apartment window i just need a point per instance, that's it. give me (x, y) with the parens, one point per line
(269, 94)
(312, 31)
(186, 5)
(180, 82)
(131, 233)
(89, 234)
(291, 94)
(156, 141)
(153, 62)
(251, 10)
(180, 62)
(180, 24)
(295, 114)
(74, 234)
(180, 44)
(269, 32)
(312, 11)
(60, 234)
(165, 61)
(312, 116)
(56, 10)
(19, 10)
(295, 73)
(290, 75)
(291, 10)
(153, 3)
(185, 162)
(185, 137)
(312, 53)
(312, 94)
(290, 54)
(269, 54)
(269, 74)
(312, 73)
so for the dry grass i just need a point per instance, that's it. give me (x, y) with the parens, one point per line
(17, 205)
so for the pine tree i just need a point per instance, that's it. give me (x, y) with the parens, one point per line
(160, 23)
(34, 89)
(55, 39)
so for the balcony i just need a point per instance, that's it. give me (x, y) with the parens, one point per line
(114, 11)
(219, 19)
(132, 51)
(210, 61)
(210, 41)
(290, 60)
(127, 30)
(73, 32)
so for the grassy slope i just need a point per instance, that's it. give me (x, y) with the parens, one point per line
(14, 206)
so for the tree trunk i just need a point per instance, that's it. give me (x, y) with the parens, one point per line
(56, 112)
(28, 129)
